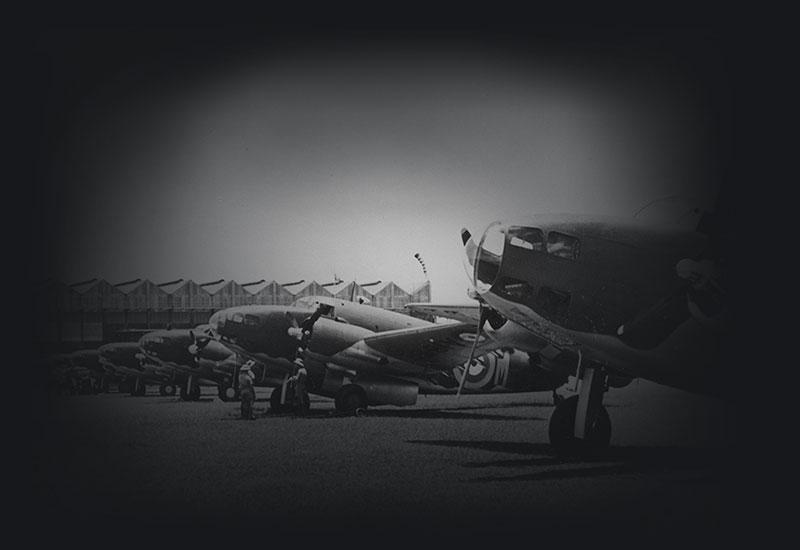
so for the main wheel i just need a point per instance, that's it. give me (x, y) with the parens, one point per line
(194, 395)
(228, 393)
(350, 398)
(562, 429)
(275, 404)
(166, 389)
(184, 394)
(138, 388)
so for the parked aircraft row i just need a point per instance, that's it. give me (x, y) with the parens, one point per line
(602, 300)
(359, 354)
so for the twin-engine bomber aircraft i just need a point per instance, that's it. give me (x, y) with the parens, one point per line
(123, 360)
(169, 351)
(607, 298)
(363, 355)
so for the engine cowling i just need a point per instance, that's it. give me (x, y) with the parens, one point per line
(382, 390)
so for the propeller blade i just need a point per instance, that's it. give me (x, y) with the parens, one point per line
(481, 322)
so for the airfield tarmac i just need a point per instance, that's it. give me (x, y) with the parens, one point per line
(480, 464)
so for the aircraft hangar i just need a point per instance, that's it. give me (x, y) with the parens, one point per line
(94, 312)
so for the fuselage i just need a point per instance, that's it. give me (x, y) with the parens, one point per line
(168, 351)
(337, 349)
(579, 282)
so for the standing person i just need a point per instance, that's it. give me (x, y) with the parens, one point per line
(302, 403)
(246, 390)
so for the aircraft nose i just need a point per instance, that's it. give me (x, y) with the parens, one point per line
(488, 256)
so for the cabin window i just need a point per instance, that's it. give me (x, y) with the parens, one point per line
(251, 320)
(528, 238)
(562, 245)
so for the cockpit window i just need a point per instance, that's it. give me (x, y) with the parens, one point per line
(528, 238)
(237, 318)
(251, 320)
(562, 245)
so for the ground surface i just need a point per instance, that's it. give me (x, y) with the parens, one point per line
(477, 465)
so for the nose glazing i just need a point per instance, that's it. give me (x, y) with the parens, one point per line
(488, 257)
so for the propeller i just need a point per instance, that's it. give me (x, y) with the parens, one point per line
(294, 328)
(198, 343)
(482, 320)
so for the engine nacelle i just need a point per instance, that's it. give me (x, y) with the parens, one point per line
(382, 390)
(618, 381)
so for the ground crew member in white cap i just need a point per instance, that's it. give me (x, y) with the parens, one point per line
(246, 389)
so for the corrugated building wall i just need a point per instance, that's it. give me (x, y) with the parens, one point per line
(101, 312)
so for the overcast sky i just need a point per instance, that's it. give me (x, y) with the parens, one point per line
(305, 162)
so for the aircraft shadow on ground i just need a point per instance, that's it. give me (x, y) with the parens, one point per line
(624, 460)
(424, 414)
(455, 414)
(170, 400)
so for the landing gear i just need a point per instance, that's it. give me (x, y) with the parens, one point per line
(562, 429)
(580, 424)
(139, 388)
(190, 392)
(351, 399)
(86, 388)
(275, 404)
(101, 385)
(167, 390)
(228, 393)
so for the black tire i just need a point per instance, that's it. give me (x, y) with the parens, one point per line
(562, 427)
(184, 394)
(195, 393)
(138, 388)
(275, 401)
(228, 393)
(350, 398)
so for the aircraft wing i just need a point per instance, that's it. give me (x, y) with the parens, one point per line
(465, 313)
(435, 346)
